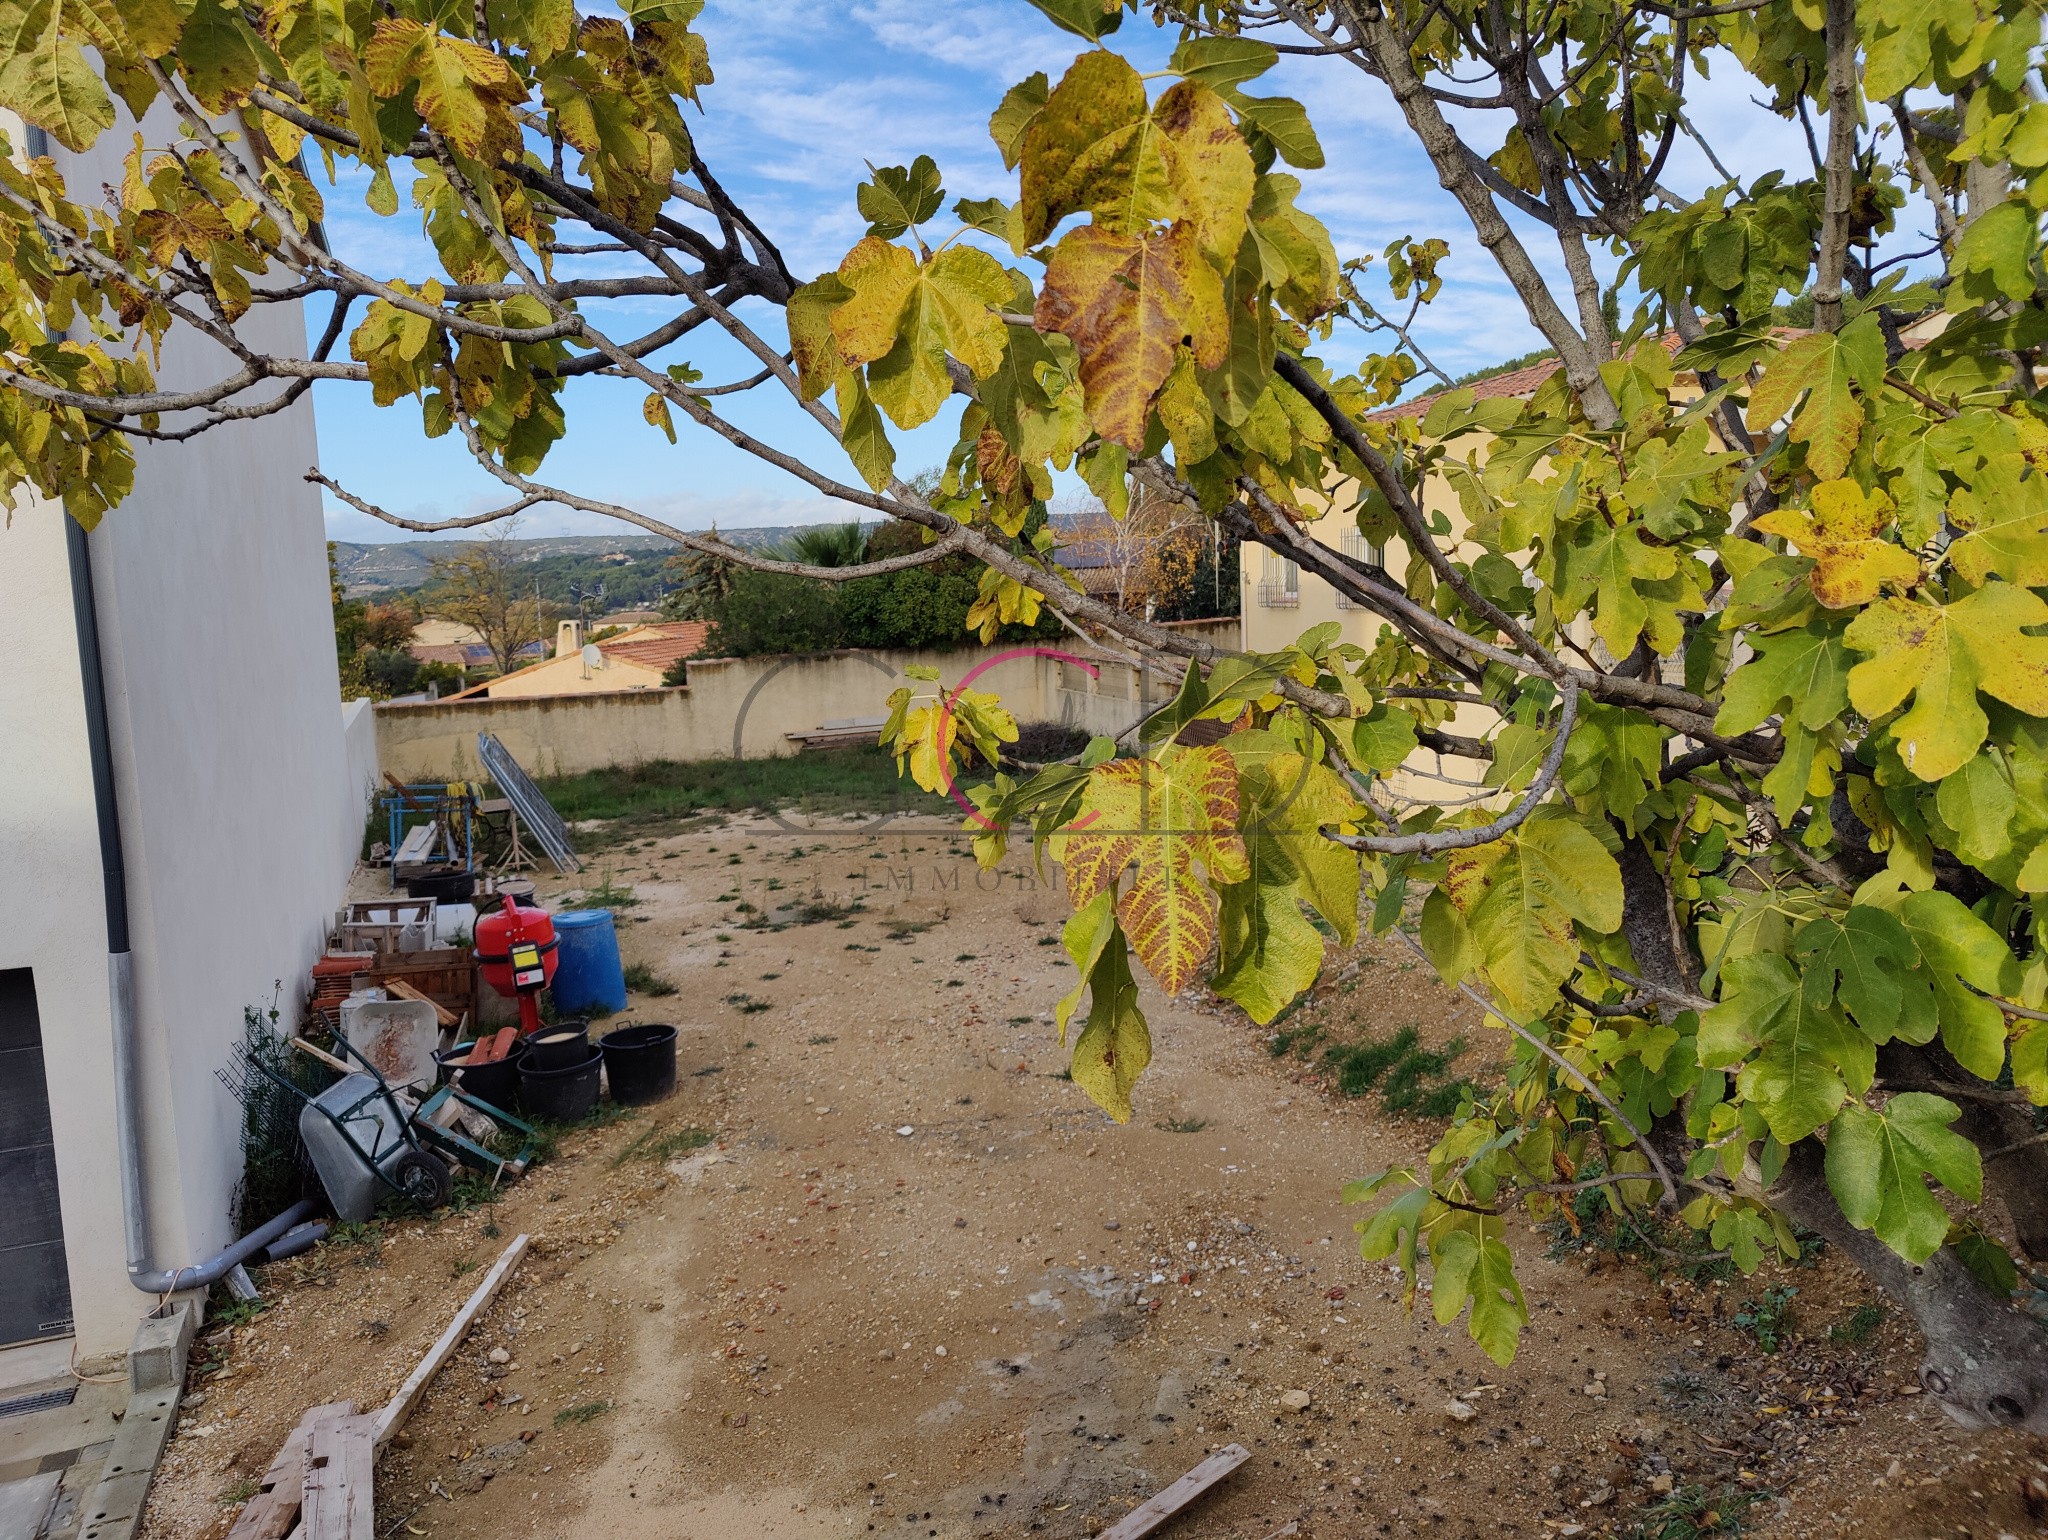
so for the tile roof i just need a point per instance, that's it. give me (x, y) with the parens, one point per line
(1516, 382)
(658, 646)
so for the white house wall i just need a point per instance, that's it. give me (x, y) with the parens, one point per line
(238, 816)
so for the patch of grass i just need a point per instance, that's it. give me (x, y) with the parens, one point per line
(747, 1005)
(818, 1040)
(769, 978)
(855, 946)
(709, 1069)
(1022, 1021)
(903, 930)
(1693, 1513)
(240, 1492)
(1768, 1319)
(661, 1144)
(963, 957)
(1182, 1125)
(586, 1411)
(608, 895)
(465, 1267)
(1858, 1326)
(1048, 940)
(641, 800)
(643, 980)
(473, 1190)
(1409, 1077)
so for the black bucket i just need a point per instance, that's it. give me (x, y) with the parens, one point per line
(451, 885)
(640, 1063)
(566, 1095)
(558, 1046)
(496, 1082)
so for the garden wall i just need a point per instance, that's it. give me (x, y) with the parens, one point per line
(748, 707)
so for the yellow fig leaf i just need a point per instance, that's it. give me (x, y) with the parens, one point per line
(1844, 534)
(1126, 302)
(1173, 819)
(1943, 655)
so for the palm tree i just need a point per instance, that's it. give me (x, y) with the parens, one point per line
(827, 545)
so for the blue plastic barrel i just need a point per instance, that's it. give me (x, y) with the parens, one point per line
(588, 974)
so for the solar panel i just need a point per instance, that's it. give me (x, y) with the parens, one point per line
(534, 810)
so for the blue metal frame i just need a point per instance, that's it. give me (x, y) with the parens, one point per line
(430, 796)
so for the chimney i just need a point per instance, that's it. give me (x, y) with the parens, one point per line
(568, 637)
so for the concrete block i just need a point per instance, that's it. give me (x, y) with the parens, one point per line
(157, 1358)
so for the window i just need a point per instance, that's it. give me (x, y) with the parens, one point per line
(1280, 588)
(1359, 549)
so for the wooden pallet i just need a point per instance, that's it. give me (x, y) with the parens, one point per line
(273, 1512)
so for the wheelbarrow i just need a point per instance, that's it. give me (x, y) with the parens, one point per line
(434, 1123)
(363, 1144)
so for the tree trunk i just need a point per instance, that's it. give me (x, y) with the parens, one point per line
(1986, 1363)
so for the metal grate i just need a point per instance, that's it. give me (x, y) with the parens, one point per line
(41, 1401)
(1273, 596)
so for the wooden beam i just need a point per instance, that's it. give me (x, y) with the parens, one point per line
(400, 1406)
(1156, 1510)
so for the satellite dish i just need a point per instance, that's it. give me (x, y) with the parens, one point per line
(593, 655)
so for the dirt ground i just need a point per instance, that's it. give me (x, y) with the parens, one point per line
(917, 1285)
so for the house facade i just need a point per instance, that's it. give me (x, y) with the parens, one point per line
(171, 730)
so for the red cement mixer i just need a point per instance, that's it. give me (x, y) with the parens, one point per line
(516, 948)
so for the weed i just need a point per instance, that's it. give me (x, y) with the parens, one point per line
(748, 1043)
(1048, 940)
(643, 980)
(709, 1069)
(466, 1266)
(608, 895)
(818, 1040)
(1692, 1513)
(721, 936)
(240, 1492)
(855, 946)
(1064, 1074)
(473, 1190)
(231, 1311)
(587, 1411)
(746, 1004)
(661, 1145)
(769, 978)
(1768, 1319)
(956, 983)
(964, 957)
(1858, 1326)
(1183, 1125)
(1022, 1021)
(903, 930)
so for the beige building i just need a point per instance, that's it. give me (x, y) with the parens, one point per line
(635, 659)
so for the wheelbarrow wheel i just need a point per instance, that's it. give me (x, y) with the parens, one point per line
(422, 1179)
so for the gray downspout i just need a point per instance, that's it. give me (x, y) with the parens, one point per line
(142, 1271)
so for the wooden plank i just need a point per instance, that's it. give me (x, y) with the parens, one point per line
(405, 991)
(1160, 1507)
(325, 1057)
(400, 1406)
(341, 1480)
(272, 1512)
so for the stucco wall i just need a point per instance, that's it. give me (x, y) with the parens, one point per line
(748, 706)
(239, 817)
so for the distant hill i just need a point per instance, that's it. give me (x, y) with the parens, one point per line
(368, 571)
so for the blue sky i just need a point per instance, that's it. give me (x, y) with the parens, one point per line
(810, 91)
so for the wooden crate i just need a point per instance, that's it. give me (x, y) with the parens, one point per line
(445, 975)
